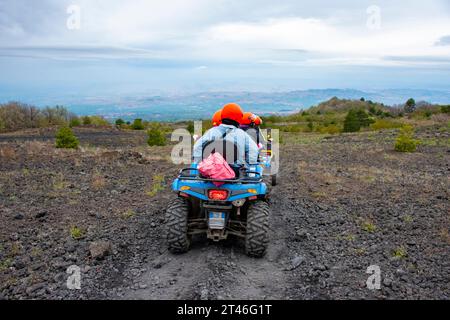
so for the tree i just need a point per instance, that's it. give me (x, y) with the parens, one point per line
(119, 122)
(310, 125)
(65, 138)
(351, 122)
(156, 136)
(410, 105)
(363, 118)
(405, 141)
(137, 124)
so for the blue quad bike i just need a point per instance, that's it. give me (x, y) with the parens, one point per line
(237, 208)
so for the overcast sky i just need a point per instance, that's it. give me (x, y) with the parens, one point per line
(200, 45)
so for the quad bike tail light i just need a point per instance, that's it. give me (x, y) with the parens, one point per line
(219, 195)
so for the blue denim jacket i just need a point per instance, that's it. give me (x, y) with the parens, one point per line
(246, 146)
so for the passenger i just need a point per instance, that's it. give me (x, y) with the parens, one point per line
(248, 120)
(217, 118)
(229, 131)
(251, 124)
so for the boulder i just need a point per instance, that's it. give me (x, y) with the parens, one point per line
(100, 249)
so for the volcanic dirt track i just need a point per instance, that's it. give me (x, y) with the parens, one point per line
(343, 203)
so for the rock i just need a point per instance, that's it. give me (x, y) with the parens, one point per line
(204, 294)
(153, 225)
(40, 214)
(142, 286)
(60, 263)
(19, 216)
(35, 287)
(99, 249)
(295, 263)
(14, 236)
(19, 264)
(387, 282)
(301, 235)
(320, 267)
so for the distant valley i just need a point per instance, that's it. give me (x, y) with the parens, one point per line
(201, 105)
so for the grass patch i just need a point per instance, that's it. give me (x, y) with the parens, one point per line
(157, 186)
(98, 181)
(384, 124)
(128, 214)
(368, 226)
(347, 237)
(305, 139)
(407, 218)
(76, 233)
(59, 183)
(400, 252)
(5, 264)
(444, 234)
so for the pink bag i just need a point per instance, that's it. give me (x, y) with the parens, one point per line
(216, 167)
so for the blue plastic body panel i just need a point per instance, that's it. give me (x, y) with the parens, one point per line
(199, 189)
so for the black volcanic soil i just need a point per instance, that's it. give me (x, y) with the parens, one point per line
(343, 203)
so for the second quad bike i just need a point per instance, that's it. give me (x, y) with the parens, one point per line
(238, 207)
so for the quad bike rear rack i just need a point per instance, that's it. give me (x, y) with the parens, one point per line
(247, 180)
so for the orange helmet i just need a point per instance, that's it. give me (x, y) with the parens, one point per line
(258, 121)
(233, 112)
(248, 118)
(217, 118)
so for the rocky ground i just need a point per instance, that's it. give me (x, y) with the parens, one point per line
(343, 203)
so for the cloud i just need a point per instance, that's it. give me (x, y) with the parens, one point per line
(225, 31)
(444, 41)
(78, 52)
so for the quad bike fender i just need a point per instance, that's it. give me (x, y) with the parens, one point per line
(199, 189)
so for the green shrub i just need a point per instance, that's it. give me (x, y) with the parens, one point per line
(65, 138)
(381, 124)
(75, 122)
(87, 120)
(331, 129)
(156, 136)
(445, 109)
(310, 125)
(190, 127)
(120, 122)
(99, 121)
(405, 141)
(137, 125)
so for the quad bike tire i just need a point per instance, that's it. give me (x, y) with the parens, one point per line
(177, 226)
(257, 238)
(274, 178)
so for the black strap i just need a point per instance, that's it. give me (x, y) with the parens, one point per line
(224, 146)
(211, 141)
